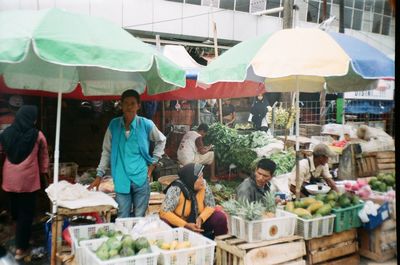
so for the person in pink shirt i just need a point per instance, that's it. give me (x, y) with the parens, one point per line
(26, 161)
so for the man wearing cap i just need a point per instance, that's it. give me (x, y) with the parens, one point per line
(313, 169)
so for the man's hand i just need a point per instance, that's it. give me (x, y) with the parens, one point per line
(150, 170)
(95, 184)
(278, 200)
(193, 227)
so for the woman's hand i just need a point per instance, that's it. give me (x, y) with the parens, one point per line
(199, 222)
(193, 227)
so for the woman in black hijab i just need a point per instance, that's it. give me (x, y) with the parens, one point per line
(190, 203)
(26, 161)
(258, 112)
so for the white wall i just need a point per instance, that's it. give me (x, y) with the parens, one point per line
(184, 19)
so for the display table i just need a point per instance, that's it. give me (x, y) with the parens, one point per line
(56, 240)
(304, 142)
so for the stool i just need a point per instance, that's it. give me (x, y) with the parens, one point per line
(56, 230)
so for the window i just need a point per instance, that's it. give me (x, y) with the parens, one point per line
(359, 4)
(312, 14)
(385, 25)
(243, 5)
(376, 26)
(348, 3)
(378, 6)
(274, 4)
(388, 9)
(227, 4)
(368, 5)
(348, 17)
(357, 18)
(193, 2)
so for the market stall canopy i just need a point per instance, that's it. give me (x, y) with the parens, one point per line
(310, 60)
(54, 50)
(178, 55)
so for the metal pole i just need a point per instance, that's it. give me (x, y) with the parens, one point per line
(198, 112)
(216, 56)
(341, 16)
(287, 14)
(158, 46)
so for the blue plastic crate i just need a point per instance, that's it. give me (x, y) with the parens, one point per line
(375, 221)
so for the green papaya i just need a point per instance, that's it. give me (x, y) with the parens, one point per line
(126, 252)
(382, 187)
(320, 197)
(355, 200)
(141, 243)
(324, 210)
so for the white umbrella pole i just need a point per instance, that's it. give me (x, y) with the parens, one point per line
(57, 145)
(298, 184)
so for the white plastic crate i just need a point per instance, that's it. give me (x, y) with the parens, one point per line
(316, 227)
(85, 231)
(282, 225)
(126, 225)
(89, 256)
(200, 253)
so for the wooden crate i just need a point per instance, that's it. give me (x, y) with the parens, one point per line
(347, 260)
(309, 130)
(380, 243)
(234, 251)
(333, 248)
(370, 164)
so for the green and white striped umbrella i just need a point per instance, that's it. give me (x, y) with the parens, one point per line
(53, 50)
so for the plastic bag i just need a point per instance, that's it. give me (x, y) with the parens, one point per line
(147, 225)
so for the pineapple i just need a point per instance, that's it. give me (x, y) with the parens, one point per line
(251, 210)
(269, 205)
(231, 207)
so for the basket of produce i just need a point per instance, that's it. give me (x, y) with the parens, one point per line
(345, 207)
(119, 251)
(82, 233)
(180, 246)
(258, 221)
(267, 228)
(383, 182)
(314, 218)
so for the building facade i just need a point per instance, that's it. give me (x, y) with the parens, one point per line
(372, 21)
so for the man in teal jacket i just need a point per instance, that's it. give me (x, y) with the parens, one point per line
(126, 148)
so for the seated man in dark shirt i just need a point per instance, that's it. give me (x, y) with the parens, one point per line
(228, 113)
(255, 187)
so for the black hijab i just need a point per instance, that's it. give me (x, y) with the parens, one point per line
(19, 139)
(187, 177)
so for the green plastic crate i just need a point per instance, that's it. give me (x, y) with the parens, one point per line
(347, 218)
